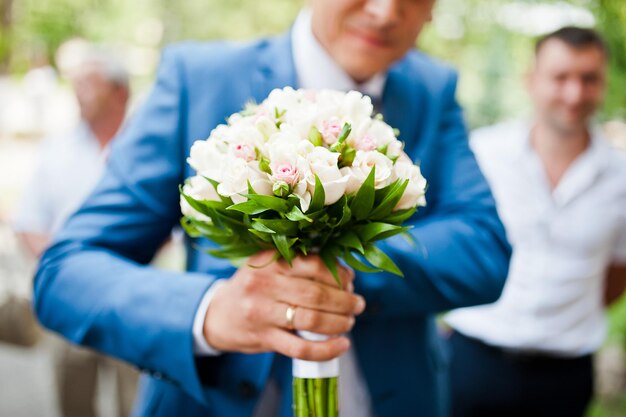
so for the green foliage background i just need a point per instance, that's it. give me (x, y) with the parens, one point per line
(491, 57)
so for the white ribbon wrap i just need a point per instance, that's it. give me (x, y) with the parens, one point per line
(309, 369)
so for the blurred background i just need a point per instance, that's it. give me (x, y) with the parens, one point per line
(41, 41)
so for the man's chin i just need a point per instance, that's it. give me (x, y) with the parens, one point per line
(362, 70)
(568, 126)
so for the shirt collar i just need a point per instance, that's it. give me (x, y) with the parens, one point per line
(581, 174)
(316, 69)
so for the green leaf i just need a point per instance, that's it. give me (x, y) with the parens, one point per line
(330, 261)
(205, 207)
(315, 137)
(216, 234)
(296, 215)
(377, 231)
(264, 236)
(264, 165)
(189, 228)
(302, 248)
(411, 240)
(319, 196)
(345, 132)
(270, 202)
(275, 257)
(400, 216)
(262, 228)
(346, 214)
(350, 240)
(228, 219)
(281, 189)
(248, 207)
(355, 263)
(214, 183)
(378, 258)
(284, 246)
(235, 251)
(364, 200)
(279, 113)
(390, 200)
(250, 190)
(347, 157)
(281, 226)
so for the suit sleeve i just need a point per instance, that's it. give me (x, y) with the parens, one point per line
(93, 285)
(461, 255)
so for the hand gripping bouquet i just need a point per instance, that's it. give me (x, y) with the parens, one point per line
(304, 172)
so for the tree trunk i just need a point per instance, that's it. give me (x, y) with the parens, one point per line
(6, 20)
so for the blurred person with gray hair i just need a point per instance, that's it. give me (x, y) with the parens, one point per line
(561, 192)
(68, 169)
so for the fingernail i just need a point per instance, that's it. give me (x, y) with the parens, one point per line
(360, 305)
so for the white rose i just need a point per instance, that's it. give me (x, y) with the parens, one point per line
(355, 106)
(266, 126)
(286, 99)
(375, 129)
(245, 134)
(197, 188)
(285, 149)
(361, 167)
(235, 180)
(208, 158)
(324, 164)
(414, 194)
(395, 148)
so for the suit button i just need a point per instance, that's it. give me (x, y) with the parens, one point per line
(247, 390)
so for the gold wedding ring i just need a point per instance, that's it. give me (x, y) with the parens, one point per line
(290, 315)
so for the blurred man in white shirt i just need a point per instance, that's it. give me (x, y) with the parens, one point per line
(68, 169)
(561, 193)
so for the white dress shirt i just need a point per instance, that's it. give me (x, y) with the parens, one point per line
(563, 241)
(315, 70)
(69, 167)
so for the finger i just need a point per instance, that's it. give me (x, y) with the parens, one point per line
(312, 267)
(262, 259)
(314, 295)
(313, 320)
(293, 346)
(346, 275)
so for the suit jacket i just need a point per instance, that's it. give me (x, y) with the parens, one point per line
(93, 285)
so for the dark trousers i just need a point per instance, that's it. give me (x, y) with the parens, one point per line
(489, 382)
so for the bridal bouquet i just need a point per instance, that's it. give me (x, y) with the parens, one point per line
(304, 172)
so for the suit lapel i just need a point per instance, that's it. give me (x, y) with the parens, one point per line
(401, 101)
(275, 69)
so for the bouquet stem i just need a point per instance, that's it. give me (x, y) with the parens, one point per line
(315, 397)
(315, 385)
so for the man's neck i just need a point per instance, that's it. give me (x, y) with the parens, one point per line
(104, 129)
(558, 149)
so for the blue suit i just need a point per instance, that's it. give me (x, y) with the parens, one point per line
(93, 285)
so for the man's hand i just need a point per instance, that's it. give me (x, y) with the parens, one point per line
(248, 312)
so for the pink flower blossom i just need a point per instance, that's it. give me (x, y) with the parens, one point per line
(367, 143)
(286, 172)
(331, 129)
(244, 151)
